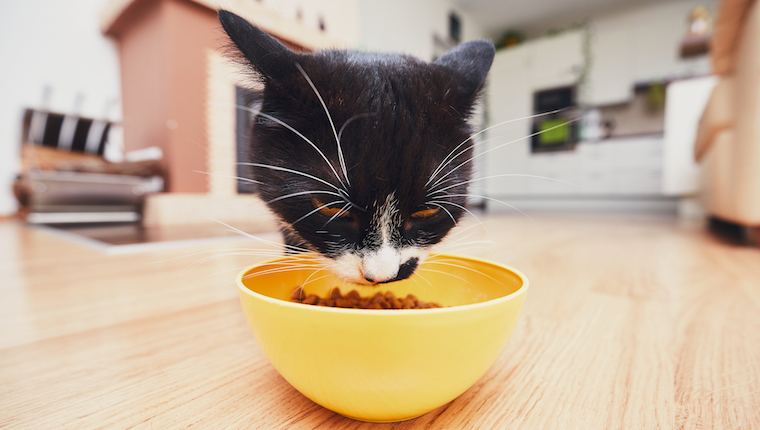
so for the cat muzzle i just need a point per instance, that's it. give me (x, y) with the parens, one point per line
(386, 266)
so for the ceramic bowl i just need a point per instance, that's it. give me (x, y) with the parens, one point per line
(383, 365)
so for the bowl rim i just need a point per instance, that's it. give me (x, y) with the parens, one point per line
(492, 302)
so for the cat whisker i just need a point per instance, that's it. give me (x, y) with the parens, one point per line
(440, 182)
(445, 210)
(444, 273)
(446, 160)
(433, 191)
(299, 134)
(295, 172)
(446, 262)
(228, 176)
(286, 266)
(250, 236)
(215, 274)
(227, 254)
(237, 269)
(281, 269)
(443, 182)
(316, 210)
(463, 230)
(461, 249)
(337, 214)
(302, 292)
(306, 281)
(361, 115)
(301, 193)
(251, 275)
(426, 280)
(216, 256)
(503, 145)
(278, 270)
(461, 207)
(341, 193)
(209, 251)
(452, 242)
(459, 245)
(341, 160)
(492, 199)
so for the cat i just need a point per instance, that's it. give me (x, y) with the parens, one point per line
(363, 157)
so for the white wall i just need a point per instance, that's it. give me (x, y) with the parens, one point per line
(55, 44)
(407, 26)
(340, 17)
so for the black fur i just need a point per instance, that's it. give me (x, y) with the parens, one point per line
(402, 117)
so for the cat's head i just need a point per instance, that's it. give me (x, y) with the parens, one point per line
(363, 156)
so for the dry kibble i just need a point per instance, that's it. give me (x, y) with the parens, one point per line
(354, 300)
(354, 296)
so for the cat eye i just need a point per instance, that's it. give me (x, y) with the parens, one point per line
(425, 213)
(329, 211)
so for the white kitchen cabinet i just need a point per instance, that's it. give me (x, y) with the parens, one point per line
(610, 78)
(622, 167)
(556, 61)
(516, 74)
(557, 173)
(616, 167)
(509, 98)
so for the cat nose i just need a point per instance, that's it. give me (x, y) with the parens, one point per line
(404, 271)
(381, 265)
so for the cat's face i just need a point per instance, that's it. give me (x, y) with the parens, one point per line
(363, 157)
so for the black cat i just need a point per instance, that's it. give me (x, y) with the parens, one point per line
(364, 157)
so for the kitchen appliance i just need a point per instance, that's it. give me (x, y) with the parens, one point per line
(554, 132)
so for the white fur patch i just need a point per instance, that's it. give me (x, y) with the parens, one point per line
(384, 263)
(348, 267)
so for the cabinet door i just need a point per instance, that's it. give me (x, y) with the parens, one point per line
(610, 78)
(557, 61)
(509, 97)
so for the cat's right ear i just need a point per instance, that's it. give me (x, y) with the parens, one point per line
(267, 55)
(472, 60)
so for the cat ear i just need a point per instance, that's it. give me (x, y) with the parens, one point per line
(265, 53)
(472, 60)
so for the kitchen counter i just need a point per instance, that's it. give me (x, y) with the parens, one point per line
(632, 323)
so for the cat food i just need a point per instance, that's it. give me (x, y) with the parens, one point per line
(354, 300)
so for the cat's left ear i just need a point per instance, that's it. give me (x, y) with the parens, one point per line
(472, 60)
(265, 53)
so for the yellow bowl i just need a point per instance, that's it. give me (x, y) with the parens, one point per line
(384, 365)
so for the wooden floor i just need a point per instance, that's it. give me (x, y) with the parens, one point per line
(630, 323)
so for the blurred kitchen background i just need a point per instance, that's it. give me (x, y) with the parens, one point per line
(117, 116)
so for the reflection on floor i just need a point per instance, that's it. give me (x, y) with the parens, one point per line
(132, 237)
